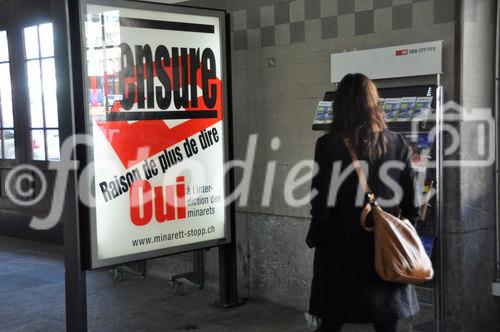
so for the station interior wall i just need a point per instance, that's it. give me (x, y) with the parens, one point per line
(280, 69)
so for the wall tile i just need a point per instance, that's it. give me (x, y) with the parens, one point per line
(329, 27)
(364, 22)
(313, 29)
(401, 2)
(382, 3)
(239, 19)
(329, 8)
(402, 16)
(267, 36)
(297, 11)
(240, 40)
(362, 5)
(345, 7)
(382, 19)
(266, 16)
(253, 18)
(423, 13)
(297, 32)
(283, 34)
(312, 9)
(444, 11)
(281, 13)
(253, 38)
(345, 24)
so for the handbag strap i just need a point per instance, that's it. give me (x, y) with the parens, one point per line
(357, 167)
(362, 180)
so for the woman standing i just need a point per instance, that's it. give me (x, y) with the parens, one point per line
(345, 286)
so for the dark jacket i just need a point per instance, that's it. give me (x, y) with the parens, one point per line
(345, 286)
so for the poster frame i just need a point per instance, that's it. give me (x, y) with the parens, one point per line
(87, 214)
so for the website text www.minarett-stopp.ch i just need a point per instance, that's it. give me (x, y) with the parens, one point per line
(182, 234)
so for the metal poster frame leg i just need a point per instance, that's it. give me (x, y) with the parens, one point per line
(228, 286)
(70, 81)
(228, 280)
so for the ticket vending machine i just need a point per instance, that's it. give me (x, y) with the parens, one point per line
(416, 112)
(411, 111)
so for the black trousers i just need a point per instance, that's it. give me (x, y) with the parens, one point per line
(390, 326)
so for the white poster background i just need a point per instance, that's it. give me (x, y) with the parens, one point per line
(114, 229)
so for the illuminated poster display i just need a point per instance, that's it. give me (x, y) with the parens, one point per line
(156, 105)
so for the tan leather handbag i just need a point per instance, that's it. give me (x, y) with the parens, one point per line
(399, 254)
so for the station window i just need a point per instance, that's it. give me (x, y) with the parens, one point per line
(7, 146)
(41, 76)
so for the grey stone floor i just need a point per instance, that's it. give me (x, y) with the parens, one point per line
(32, 299)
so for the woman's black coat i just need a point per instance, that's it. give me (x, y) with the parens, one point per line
(345, 286)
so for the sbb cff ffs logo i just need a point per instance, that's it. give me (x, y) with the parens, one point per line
(415, 51)
(168, 202)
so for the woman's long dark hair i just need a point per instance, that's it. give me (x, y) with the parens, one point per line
(359, 117)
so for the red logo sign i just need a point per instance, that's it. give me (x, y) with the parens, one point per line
(401, 52)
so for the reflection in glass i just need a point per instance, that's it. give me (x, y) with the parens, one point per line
(35, 93)
(1, 145)
(103, 63)
(42, 90)
(31, 42)
(53, 145)
(112, 28)
(93, 31)
(4, 48)
(6, 96)
(9, 144)
(38, 144)
(95, 66)
(46, 40)
(49, 92)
